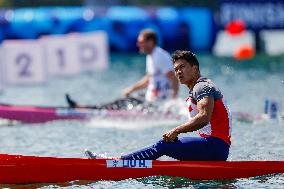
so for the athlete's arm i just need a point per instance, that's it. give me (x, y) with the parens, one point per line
(143, 83)
(171, 76)
(205, 108)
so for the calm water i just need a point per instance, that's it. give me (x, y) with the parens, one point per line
(245, 85)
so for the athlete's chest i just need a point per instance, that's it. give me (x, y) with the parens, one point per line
(153, 67)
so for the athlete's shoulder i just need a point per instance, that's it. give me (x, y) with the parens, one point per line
(205, 87)
(160, 51)
(204, 82)
(162, 59)
(201, 82)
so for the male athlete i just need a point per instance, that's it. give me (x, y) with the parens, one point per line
(208, 115)
(159, 80)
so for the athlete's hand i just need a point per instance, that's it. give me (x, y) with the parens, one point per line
(126, 92)
(171, 135)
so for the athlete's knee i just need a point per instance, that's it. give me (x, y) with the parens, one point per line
(226, 154)
(159, 145)
(222, 154)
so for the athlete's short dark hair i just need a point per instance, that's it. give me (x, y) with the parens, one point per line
(185, 55)
(149, 35)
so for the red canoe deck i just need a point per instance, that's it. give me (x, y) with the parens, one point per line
(33, 169)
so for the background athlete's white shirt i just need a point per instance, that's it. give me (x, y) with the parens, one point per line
(158, 64)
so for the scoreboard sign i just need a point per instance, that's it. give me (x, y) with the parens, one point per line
(22, 62)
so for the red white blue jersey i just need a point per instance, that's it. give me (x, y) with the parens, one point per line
(221, 120)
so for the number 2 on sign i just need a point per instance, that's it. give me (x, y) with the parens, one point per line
(24, 61)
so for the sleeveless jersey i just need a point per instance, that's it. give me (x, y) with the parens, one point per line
(221, 121)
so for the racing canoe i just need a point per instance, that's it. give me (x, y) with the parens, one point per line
(16, 169)
(39, 114)
(34, 114)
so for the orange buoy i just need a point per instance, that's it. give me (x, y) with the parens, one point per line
(244, 52)
(235, 27)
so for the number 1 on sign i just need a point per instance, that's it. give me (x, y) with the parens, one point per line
(61, 58)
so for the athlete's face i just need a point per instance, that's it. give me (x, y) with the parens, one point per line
(185, 72)
(145, 46)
